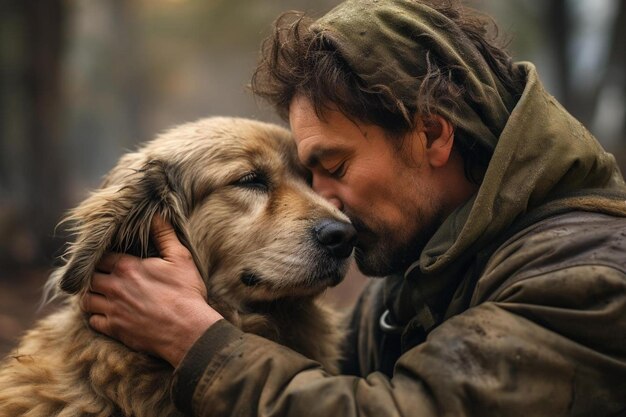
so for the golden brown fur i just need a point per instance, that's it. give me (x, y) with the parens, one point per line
(236, 225)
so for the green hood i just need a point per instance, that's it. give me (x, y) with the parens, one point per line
(542, 155)
(544, 163)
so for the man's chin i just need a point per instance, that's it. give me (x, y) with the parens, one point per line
(384, 253)
(372, 264)
(386, 260)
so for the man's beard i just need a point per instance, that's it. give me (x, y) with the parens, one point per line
(384, 253)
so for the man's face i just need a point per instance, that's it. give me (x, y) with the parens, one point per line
(387, 192)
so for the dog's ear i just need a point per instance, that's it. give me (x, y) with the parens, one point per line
(117, 218)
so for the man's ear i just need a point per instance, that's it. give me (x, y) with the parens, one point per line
(439, 134)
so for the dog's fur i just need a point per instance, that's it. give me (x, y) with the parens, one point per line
(239, 201)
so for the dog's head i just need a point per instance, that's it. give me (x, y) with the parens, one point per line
(239, 201)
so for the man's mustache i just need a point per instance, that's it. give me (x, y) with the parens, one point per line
(362, 229)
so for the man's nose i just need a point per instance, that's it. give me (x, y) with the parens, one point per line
(322, 187)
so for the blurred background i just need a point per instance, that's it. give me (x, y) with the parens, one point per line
(82, 82)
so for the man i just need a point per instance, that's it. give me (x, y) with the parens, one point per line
(498, 220)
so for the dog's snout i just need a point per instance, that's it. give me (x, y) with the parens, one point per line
(338, 237)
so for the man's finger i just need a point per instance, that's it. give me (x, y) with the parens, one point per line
(94, 303)
(164, 237)
(99, 323)
(108, 262)
(99, 283)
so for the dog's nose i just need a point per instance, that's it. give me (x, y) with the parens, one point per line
(338, 237)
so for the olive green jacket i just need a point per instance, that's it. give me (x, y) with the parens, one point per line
(517, 306)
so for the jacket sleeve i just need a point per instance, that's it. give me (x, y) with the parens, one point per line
(523, 353)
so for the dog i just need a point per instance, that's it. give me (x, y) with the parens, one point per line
(265, 244)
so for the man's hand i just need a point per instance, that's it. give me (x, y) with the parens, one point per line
(154, 305)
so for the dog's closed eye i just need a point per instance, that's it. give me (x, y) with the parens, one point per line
(254, 180)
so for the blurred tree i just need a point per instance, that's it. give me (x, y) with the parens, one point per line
(31, 177)
(559, 31)
(584, 99)
(612, 81)
(579, 47)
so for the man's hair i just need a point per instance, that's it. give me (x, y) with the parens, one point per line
(296, 60)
